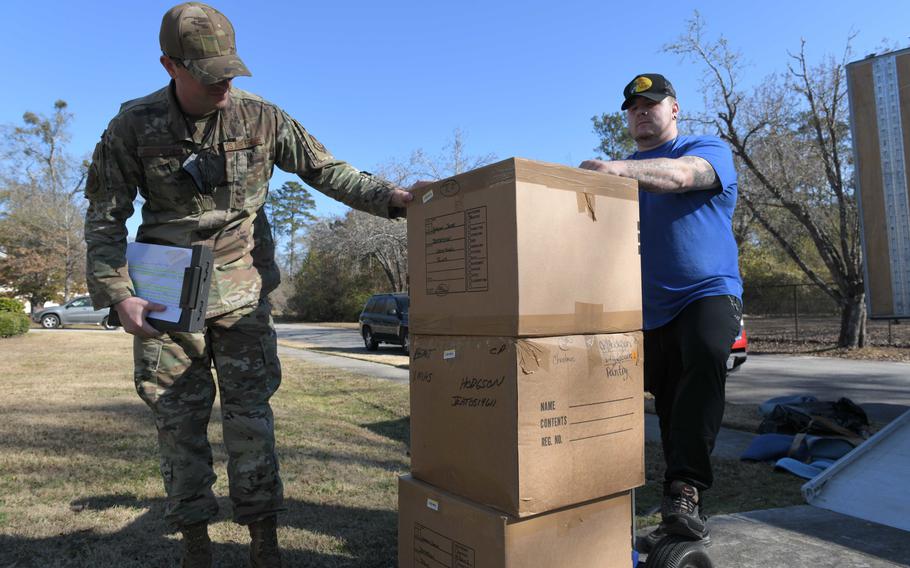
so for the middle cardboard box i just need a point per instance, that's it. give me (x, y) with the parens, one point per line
(528, 425)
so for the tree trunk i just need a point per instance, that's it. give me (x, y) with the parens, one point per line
(387, 270)
(36, 303)
(853, 321)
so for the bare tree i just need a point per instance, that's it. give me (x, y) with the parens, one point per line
(41, 209)
(452, 160)
(365, 238)
(361, 238)
(791, 140)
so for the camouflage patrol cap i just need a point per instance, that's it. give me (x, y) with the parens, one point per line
(203, 39)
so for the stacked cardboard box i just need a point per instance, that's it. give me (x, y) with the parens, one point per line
(438, 529)
(527, 431)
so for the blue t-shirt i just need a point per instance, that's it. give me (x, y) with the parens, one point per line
(687, 246)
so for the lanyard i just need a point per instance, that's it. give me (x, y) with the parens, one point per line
(207, 132)
(204, 165)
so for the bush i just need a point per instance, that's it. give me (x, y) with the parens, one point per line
(11, 305)
(325, 290)
(13, 323)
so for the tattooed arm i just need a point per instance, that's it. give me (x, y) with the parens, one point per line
(662, 175)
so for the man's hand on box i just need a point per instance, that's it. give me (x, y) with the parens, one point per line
(612, 167)
(133, 311)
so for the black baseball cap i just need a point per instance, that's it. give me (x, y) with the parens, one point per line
(649, 85)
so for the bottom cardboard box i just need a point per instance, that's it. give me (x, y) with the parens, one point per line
(439, 530)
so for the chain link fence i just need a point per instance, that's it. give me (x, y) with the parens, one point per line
(803, 313)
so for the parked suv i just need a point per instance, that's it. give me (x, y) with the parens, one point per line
(385, 320)
(77, 310)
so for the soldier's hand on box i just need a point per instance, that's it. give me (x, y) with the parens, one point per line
(132, 312)
(419, 184)
(400, 198)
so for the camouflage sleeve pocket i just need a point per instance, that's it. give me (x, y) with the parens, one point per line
(317, 154)
(96, 184)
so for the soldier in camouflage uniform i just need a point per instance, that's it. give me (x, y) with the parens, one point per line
(201, 153)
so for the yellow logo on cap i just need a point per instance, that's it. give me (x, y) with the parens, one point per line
(641, 84)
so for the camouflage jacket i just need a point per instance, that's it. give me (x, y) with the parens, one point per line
(143, 149)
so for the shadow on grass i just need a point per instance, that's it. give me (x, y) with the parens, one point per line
(368, 536)
(96, 430)
(125, 430)
(344, 536)
(398, 430)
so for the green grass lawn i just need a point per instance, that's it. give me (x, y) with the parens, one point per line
(79, 482)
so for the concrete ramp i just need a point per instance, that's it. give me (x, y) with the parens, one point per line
(871, 481)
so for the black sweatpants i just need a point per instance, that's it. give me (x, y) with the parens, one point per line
(686, 371)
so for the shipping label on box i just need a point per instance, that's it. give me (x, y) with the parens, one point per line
(439, 530)
(457, 256)
(528, 425)
(523, 248)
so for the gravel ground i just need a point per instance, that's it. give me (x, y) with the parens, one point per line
(818, 336)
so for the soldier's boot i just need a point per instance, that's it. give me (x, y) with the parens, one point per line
(264, 551)
(197, 546)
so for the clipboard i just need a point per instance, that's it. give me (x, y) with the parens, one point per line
(193, 285)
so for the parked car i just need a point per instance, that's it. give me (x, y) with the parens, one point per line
(385, 320)
(77, 310)
(739, 350)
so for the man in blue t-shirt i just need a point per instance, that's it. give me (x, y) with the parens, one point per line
(691, 290)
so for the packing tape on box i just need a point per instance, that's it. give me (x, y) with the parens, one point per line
(586, 202)
(586, 320)
(527, 171)
(479, 179)
(552, 176)
(531, 357)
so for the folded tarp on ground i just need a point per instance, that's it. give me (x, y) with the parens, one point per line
(804, 436)
(804, 470)
(770, 447)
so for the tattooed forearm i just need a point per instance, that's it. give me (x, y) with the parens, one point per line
(669, 175)
(661, 175)
(703, 174)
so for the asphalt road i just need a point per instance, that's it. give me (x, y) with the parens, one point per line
(323, 336)
(882, 388)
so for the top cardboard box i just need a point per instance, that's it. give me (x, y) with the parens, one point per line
(523, 249)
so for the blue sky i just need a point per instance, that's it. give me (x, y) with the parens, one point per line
(377, 80)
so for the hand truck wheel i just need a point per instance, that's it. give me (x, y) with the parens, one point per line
(678, 552)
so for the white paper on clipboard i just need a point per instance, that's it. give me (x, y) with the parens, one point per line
(157, 272)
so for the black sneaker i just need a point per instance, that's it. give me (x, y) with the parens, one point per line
(681, 513)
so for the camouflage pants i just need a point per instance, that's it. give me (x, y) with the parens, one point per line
(173, 376)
